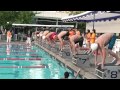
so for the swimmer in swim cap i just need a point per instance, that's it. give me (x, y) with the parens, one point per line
(100, 44)
(43, 37)
(94, 46)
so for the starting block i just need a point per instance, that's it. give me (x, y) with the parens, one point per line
(65, 54)
(82, 59)
(110, 71)
(54, 49)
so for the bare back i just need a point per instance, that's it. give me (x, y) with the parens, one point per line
(104, 39)
(48, 34)
(45, 33)
(75, 37)
(62, 33)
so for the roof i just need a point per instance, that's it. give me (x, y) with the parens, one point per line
(88, 16)
(51, 14)
(38, 25)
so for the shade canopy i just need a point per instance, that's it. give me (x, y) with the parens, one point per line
(90, 16)
(38, 25)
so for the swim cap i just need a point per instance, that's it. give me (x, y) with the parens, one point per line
(38, 35)
(94, 46)
(43, 37)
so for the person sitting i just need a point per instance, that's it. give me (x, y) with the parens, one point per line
(100, 45)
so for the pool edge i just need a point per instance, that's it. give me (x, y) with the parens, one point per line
(83, 73)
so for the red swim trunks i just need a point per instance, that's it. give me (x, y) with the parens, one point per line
(52, 35)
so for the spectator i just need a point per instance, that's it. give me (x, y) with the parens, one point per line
(88, 35)
(93, 36)
(9, 36)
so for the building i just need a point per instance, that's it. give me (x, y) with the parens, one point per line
(50, 17)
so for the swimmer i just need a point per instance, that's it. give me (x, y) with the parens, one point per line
(77, 73)
(71, 32)
(66, 75)
(61, 36)
(51, 37)
(100, 44)
(44, 34)
(74, 40)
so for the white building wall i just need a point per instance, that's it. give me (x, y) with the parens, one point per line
(104, 27)
(54, 14)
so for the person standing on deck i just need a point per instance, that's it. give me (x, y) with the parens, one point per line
(9, 36)
(100, 44)
(88, 35)
(93, 36)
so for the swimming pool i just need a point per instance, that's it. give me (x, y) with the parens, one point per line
(20, 62)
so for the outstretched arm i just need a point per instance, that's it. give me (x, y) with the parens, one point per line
(77, 73)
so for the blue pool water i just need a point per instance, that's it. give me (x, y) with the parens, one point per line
(19, 62)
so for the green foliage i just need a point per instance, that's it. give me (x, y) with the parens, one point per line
(15, 17)
(82, 26)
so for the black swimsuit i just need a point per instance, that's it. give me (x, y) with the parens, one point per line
(65, 37)
(80, 41)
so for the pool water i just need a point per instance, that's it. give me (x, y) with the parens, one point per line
(20, 62)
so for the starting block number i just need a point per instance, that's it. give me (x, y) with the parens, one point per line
(111, 72)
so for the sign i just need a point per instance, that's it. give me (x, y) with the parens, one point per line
(110, 72)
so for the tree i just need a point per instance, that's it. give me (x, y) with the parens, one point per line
(15, 17)
(25, 17)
